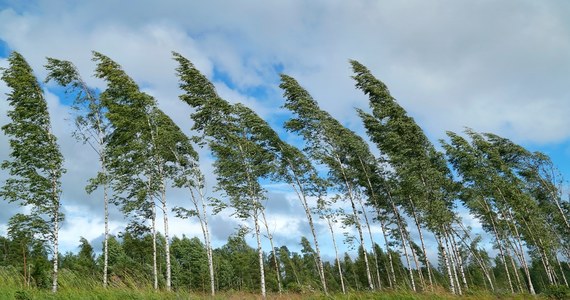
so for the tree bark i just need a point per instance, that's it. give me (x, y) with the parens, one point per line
(260, 255)
(418, 226)
(357, 221)
(55, 248)
(154, 264)
(379, 284)
(166, 236)
(336, 255)
(106, 241)
(447, 264)
(300, 191)
(561, 270)
(275, 262)
(453, 261)
(477, 257)
(500, 245)
(459, 259)
(406, 255)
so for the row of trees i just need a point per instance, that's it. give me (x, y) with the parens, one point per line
(235, 265)
(408, 189)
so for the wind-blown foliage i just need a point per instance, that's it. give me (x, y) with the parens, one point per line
(36, 164)
(403, 193)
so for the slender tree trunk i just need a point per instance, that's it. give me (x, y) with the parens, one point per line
(406, 255)
(270, 237)
(55, 234)
(379, 284)
(519, 244)
(154, 265)
(392, 275)
(336, 255)
(523, 260)
(166, 236)
(541, 250)
(516, 272)
(447, 263)
(205, 230)
(416, 261)
(453, 261)
(418, 267)
(299, 190)
(357, 221)
(477, 257)
(260, 255)
(202, 217)
(561, 270)
(318, 255)
(55, 248)
(375, 201)
(106, 241)
(418, 226)
(459, 259)
(500, 245)
(401, 229)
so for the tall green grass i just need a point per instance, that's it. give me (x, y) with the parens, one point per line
(73, 286)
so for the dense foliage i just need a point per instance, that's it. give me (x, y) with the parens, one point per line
(410, 191)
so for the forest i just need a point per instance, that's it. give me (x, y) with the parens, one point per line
(407, 186)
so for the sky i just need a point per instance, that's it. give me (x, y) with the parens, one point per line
(493, 66)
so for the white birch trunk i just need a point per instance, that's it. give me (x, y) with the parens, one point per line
(392, 275)
(260, 256)
(561, 270)
(477, 257)
(337, 257)
(166, 237)
(447, 264)
(55, 248)
(500, 246)
(357, 223)
(512, 225)
(298, 187)
(406, 255)
(418, 226)
(379, 283)
(453, 261)
(106, 241)
(154, 265)
(270, 237)
(459, 259)
(516, 272)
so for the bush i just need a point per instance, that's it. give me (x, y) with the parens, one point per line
(22, 295)
(557, 292)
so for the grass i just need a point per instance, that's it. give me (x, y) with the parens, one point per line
(81, 287)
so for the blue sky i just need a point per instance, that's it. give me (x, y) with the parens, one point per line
(499, 67)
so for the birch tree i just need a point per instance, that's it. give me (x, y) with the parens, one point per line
(345, 154)
(140, 151)
(91, 127)
(241, 162)
(424, 178)
(36, 164)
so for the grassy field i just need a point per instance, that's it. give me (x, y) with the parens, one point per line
(74, 287)
(124, 294)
